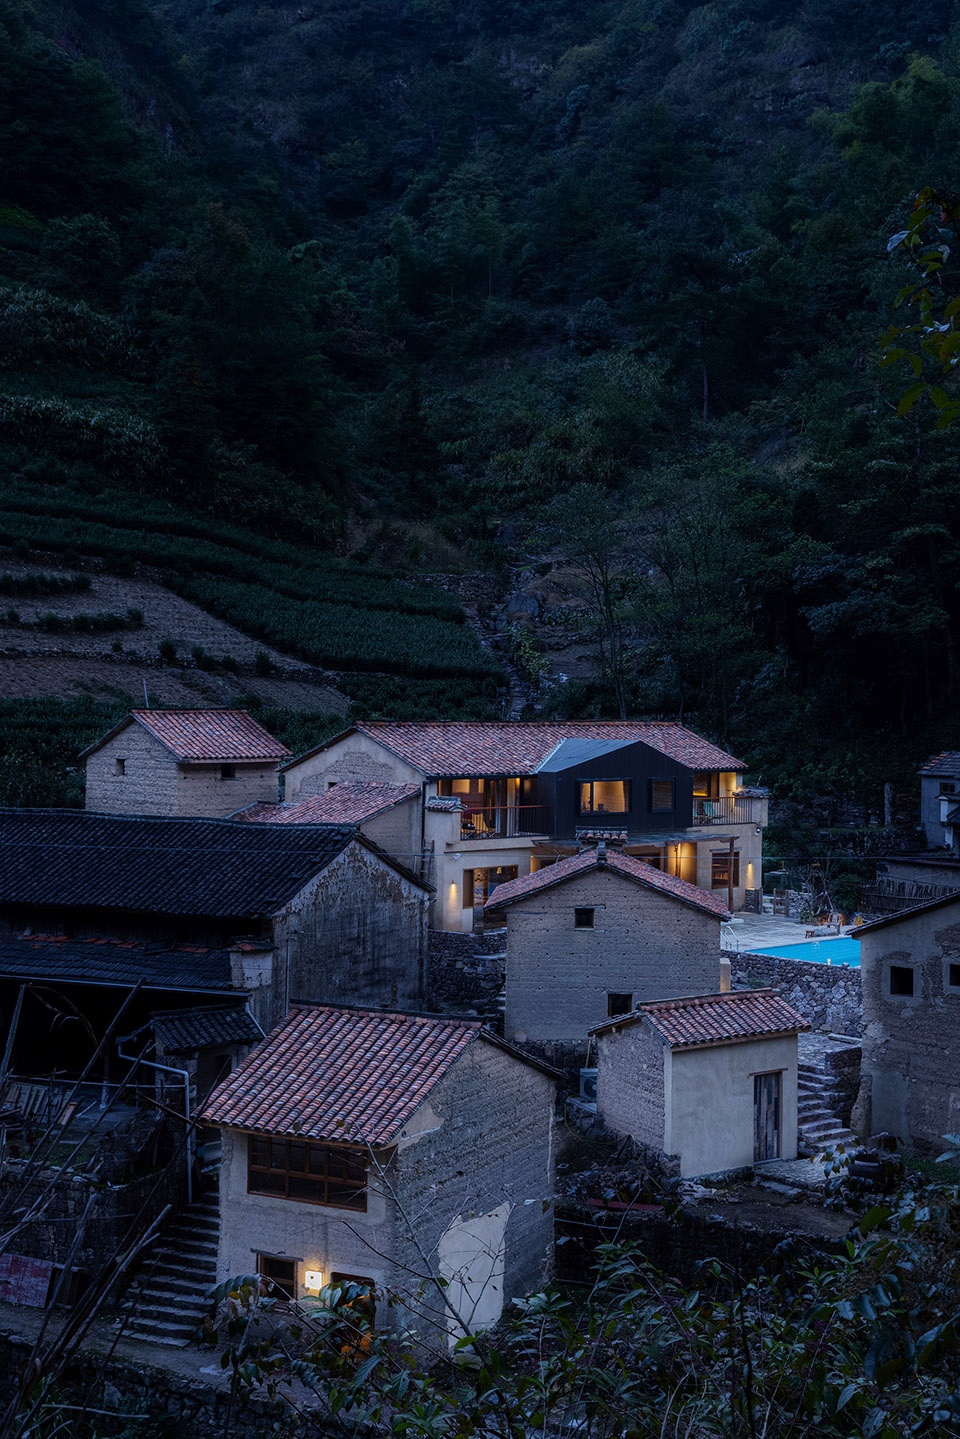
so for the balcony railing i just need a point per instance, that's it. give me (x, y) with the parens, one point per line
(727, 809)
(510, 821)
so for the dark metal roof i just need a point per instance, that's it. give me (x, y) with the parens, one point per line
(47, 958)
(183, 1031)
(570, 752)
(75, 859)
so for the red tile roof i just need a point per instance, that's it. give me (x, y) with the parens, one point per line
(946, 763)
(710, 1019)
(198, 736)
(347, 803)
(338, 1074)
(634, 869)
(516, 748)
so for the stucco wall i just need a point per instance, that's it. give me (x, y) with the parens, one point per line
(910, 1082)
(313, 1235)
(356, 934)
(397, 830)
(356, 757)
(473, 1154)
(631, 1099)
(154, 784)
(710, 1109)
(643, 943)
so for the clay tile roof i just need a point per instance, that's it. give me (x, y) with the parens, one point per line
(946, 763)
(203, 736)
(340, 1074)
(348, 803)
(710, 1019)
(184, 1031)
(516, 748)
(636, 870)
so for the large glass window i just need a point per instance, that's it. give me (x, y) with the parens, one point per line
(313, 1173)
(604, 796)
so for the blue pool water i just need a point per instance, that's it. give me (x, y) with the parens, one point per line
(841, 950)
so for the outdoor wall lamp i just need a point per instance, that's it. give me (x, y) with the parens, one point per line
(313, 1279)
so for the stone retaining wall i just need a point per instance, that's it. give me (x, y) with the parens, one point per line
(677, 1245)
(464, 971)
(829, 996)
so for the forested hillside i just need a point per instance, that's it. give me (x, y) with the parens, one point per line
(425, 286)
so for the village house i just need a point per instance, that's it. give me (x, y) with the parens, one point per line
(393, 1150)
(592, 935)
(280, 913)
(939, 794)
(706, 1083)
(910, 1070)
(389, 814)
(182, 762)
(499, 800)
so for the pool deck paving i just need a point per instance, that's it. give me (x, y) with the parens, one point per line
(753, 931)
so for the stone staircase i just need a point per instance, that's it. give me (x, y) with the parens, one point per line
(818, 1125)
(167, 1300)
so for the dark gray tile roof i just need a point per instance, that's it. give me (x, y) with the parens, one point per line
(49, 958)
(72, 859)
(182, 1031)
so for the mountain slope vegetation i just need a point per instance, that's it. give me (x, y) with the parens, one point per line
(601, 285)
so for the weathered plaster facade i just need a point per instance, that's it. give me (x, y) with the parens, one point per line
(644, 944)
(133, 773)
(472, 1171)
(695, 1104)
(910, 1083)
(355, 934)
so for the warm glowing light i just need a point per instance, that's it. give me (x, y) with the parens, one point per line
(313, 1279)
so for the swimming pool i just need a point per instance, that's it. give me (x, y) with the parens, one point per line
(840, 950)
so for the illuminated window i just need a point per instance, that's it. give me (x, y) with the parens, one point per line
(604, 796)
(312, 1173)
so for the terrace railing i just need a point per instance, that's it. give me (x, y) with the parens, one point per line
(728, 809)
(510, 821)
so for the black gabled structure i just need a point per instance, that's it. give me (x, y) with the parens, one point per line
(270, 915)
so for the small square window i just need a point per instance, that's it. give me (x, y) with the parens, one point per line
(901, 980)
(119, 766)
(619, 1004)
(584, 918)
(228, 771)
(953, 976)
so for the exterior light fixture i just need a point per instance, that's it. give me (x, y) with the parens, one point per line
(313, 1279)
(458, 855)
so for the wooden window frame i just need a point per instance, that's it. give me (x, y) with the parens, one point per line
(321, 1177)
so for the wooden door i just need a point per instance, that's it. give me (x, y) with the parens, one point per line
(766, 1116)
